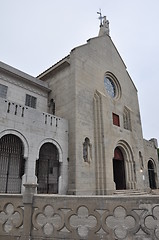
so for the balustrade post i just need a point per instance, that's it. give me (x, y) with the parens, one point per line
(28, 197)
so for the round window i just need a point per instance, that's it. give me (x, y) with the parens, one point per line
(110, 86)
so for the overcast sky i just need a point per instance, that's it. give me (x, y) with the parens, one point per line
(35, 34)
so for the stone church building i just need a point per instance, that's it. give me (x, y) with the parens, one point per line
(76, 128)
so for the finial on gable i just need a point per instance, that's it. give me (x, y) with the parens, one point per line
(104, 24)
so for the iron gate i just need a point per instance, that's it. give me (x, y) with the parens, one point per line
(47, 169)
(11, 164)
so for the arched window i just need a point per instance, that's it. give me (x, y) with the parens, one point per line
(152, 174)
(87, 150)
(127, 119)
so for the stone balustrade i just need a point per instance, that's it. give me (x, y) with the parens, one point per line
(12, 110)
(15, 109)
(52, 217)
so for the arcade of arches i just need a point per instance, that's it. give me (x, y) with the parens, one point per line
(12, 166)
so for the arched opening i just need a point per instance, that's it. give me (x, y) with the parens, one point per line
(47, 169)
(11, 164)
(119, 169)
(152, 174)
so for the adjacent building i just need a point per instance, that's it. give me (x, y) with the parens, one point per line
(33, 143)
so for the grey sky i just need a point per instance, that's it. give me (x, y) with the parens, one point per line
(35, 34)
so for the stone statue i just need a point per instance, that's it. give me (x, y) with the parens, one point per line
(104, 25)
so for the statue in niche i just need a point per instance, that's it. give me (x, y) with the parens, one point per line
(52, 106)
(87, 150)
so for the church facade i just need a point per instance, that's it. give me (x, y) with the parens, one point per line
(76, 128)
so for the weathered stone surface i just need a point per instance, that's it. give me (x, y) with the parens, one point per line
(77, 84)
(34, 127)
(79, 217)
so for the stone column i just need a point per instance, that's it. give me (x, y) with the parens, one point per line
(28, 197)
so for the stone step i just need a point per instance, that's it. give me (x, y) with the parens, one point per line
(130, 192)
(155, 191)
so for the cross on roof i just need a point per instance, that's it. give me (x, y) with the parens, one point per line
(100, 17)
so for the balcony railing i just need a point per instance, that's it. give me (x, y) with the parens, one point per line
(13, 111)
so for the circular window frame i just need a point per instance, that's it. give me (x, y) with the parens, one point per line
(116, 84)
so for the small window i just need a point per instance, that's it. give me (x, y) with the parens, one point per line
(141, 161)
(116, 120)
(30, 101)
(127, 119)
(3, 91)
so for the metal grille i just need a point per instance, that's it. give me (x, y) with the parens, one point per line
(11, 164)
(48, 169)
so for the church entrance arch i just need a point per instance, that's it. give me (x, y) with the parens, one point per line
(126, 168)
(47, 169)
(152, 174)
(11, 164)
(119, 169)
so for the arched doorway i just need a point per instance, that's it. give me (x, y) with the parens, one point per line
(119, 169)
(11, 164)
(152, 174)
(47, 169)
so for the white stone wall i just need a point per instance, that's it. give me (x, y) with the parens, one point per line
(90, 63)
(81, 98)
(18, 88)
(79, 217)
(33, 126)
(150, 148)
(63, 92)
